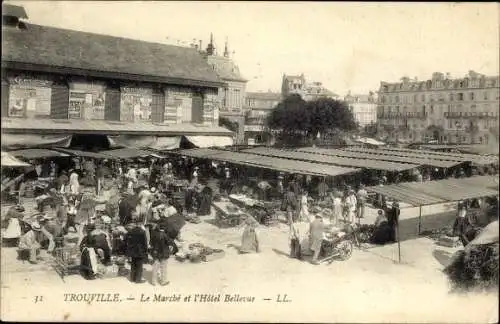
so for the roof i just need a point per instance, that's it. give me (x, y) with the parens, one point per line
(432, 192)
(78, 126)
(335, 160)
(89, 53)
(126, 153)
(9, 160)
(380, 156)
(225, 68)
(15, 11)
(459, 157)
(37, 153)
(266, 162)
(474, 149)
(275, 96)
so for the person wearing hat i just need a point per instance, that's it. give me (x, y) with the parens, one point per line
(316, 230)
(350, 206)
(136, 247)
(162, 247)
(31, 241)
(361, 198)
(382, 232)
(62, 181)
(250, 238)
(393, 219)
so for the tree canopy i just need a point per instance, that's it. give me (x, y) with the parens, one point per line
(295, 116)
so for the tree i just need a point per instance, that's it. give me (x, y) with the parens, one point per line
(229, 124)
(299, 120)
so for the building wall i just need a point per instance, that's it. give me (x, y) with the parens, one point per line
(364, 113)
(37, 95)
(450, 110)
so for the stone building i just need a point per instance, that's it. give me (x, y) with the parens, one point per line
(59, 82)
(363, 107)
(258, 105)
(232, 94)
(309, 91)
(444, 109)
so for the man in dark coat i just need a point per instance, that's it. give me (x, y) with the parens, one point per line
(137, 250)
(125, 208)
(162, 247)
(393, 219)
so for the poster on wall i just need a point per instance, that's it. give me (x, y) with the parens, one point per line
(30, 96)
(136, 103)
(178, 105)
(87, 100)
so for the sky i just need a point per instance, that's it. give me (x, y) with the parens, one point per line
(347, 46)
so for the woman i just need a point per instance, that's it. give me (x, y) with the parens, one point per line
(382, 232)
(463, 227)
(205, 201)
(250, 237)
(337, 208)
(74, 185)
(304, 208)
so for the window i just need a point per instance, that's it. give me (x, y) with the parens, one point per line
(415, 98)
(471, 96)
(397, 99)
(485, 95)
(397, 109)
(451, 96)
(432, 109)
(423, 97)
(460, 96)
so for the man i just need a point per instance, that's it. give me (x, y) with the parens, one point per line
(361, 198)
(125, 208)
(392, 220)
(99, 174)
(316, 231)
(137, 250)
(162, 247)
(291, 205)
(322, 189)
(62, 182)
(31, 241)
(97, 239)
(351, 203)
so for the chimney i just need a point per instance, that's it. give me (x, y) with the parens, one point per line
(12, 15)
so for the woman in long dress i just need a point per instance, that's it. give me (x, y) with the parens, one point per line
(304, 208)
(337, 208)
(74, 185)
(250, 238)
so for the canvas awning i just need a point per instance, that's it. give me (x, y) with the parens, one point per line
(9, 160)
(210, 141)
(19, 141)
(38, 153)
(381, 156)
(367, 140)
(126, 153)
(335, 160)
(432, 192)
(160, 143)
(272, 163)
(80, 153)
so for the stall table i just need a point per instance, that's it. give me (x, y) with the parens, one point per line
(225, 216)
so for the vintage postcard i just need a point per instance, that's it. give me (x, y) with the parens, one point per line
(231, 161)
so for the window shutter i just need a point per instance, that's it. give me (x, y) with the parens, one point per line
(158, 106)
(59, 101)
(113, 101)
(5, 98)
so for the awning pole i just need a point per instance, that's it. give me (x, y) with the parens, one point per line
(419, 220)
(397, 238)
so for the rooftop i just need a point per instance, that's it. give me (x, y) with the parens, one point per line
(54, 49)
(225, 68)
(264, 95)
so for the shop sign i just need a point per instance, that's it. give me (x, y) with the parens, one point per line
(136, 103)
(29, 97)
(87, 100)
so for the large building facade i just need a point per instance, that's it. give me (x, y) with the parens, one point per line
(292, 84)
(232, 95)
(363, 107)
(461, 110)
(57, 81)
(258, 106)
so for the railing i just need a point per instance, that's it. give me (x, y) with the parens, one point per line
(470, 114)
(402, 115)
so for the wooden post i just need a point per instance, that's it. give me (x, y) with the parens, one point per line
(419, 220)
(399, 243)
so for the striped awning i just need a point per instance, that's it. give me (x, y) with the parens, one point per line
(334, 160)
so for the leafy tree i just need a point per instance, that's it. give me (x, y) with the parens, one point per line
(229, 124)
(299, 120)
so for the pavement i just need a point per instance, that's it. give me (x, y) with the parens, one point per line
(372, 286)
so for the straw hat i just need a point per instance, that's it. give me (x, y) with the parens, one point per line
(36, 226)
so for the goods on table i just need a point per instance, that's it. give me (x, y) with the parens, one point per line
(198, 252)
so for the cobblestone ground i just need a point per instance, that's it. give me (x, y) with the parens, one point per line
(371, 286)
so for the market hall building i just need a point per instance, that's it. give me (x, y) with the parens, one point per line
(63, 87)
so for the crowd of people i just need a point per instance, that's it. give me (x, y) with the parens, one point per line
(136, 209)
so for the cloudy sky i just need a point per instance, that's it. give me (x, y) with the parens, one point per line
(347, 46)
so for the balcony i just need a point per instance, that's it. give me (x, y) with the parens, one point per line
(406, 115)
(471, 114)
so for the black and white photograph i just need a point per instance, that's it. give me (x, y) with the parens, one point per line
(238, 161)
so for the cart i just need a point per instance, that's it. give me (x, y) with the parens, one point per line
(67, 260)
(337, 245)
